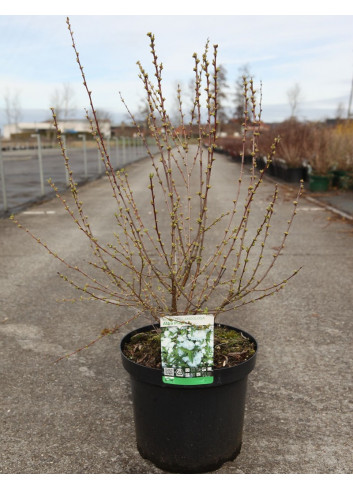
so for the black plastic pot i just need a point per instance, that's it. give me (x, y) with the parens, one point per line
(294, 174)
(188, 429)
(260, 163)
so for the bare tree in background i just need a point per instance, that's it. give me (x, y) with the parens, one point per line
(222, 86)
(191, 93)
(294, 95)
(63, 102)
(143, 114)
(244, 74)
(12, 107)
(340, 111)
(349, 111)
(104, 115)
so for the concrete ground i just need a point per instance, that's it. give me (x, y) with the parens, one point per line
(75, 416)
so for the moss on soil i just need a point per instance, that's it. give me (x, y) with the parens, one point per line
(230, 348)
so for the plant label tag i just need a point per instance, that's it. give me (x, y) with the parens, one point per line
(187, 349)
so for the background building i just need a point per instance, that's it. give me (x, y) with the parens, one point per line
(71, 126)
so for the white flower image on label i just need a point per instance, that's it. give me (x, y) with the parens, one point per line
(198, 334)
(189, 345)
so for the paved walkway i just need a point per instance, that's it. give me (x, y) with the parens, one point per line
(75, 416)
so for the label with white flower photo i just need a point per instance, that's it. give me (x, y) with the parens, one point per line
(187, 349)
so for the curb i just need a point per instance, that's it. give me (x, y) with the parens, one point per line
(328, 207)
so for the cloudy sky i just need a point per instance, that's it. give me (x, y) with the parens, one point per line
(314, 51)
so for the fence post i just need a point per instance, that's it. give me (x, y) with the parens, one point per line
(108, 147)
(99, 161)
(2, 176)
(124, 150)
(116, 151)
(63, 137)
(40, 162)
(83, 137)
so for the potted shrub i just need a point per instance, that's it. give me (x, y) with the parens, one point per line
(318, 150)
(186, 268)
(288, 164)
(342, 154)
(293, 135)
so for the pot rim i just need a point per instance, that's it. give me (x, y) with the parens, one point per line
(224, 375)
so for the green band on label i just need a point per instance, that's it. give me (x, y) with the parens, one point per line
(191, 381)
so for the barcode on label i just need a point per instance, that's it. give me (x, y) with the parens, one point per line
(169, 372)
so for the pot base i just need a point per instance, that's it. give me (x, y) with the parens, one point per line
(177, 469)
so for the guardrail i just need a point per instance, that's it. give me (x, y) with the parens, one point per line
(24, 173)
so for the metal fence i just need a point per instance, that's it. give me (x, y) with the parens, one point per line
(24, 173)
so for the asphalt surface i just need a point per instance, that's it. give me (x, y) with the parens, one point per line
(75, 416)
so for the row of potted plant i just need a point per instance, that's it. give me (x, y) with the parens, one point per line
(342, 154)
(313, 152)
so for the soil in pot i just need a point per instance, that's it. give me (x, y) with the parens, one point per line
(230, 348)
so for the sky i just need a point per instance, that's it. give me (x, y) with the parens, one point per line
(313, 51)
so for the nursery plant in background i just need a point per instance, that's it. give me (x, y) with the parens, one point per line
(318, 149)
(342, 155)
(187, 268)
(290, 154)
